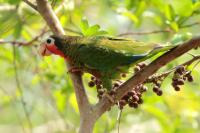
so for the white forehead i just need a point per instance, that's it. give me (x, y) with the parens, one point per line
(50, 38)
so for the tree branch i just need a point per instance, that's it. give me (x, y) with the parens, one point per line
(190, 25)
(31, 4)
(149, 70)
(146, 32)
(157, 31)
(21, 43)
(52, 21)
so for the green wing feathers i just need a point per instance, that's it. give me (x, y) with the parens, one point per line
(125, 46)
(107, 53)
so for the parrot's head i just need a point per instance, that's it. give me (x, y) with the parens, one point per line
(50, 46)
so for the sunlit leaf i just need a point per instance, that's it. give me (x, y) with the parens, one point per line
(183, 8)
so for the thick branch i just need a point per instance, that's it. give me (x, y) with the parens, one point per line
(141, 76)
(52, 21)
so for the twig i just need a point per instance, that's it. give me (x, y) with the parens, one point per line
(165, 74)
(20, 90)
(119, 119)
(146, 32)
(31, 4)
(157, 31)
(20, 43)
(190, 25)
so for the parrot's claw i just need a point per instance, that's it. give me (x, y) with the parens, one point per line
(74, 70)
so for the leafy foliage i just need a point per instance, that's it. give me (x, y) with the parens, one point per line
(93, 30)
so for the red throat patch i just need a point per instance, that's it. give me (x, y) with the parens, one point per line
(54, 50)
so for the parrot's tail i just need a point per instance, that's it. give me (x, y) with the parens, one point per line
(162, 48)
(157, 51)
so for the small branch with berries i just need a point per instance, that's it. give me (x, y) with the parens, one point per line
(142, 75)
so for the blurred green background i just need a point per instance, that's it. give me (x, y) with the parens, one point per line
(36, 93)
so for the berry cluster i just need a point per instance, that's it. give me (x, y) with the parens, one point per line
(139, 67)
(96, 82)
(180, 76)
(157, 84)
(133, 98)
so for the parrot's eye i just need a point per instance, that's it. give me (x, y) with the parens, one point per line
(50, 41)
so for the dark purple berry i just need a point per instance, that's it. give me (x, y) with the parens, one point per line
(144, 88)
(116, 84)
(177, 88)
(159, 93)
(139, 94)
(133, 104)
(140, 101)
(180, 82)
(136, 69)
(135, 98)
(122, 102)
(130, 93)
(91, 84)
(125, 97)
(123, 75)
(190, 79)
(141, 65)
(101, 91)
(93, 78)
(98, 82)
(155, 89)
(99, 86)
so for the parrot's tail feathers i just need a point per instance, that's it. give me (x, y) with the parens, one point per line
(162, 48)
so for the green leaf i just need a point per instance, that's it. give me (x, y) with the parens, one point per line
(174, 26)
(131, 16)
(92, 30)
(183, 7)
(196, 6)
(84, 25)
(141, 7)
(168, 12)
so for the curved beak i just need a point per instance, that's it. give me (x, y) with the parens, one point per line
(43, 51)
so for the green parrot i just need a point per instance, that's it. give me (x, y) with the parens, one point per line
(104, 57)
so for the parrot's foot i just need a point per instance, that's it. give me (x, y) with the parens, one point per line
(74, 70)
